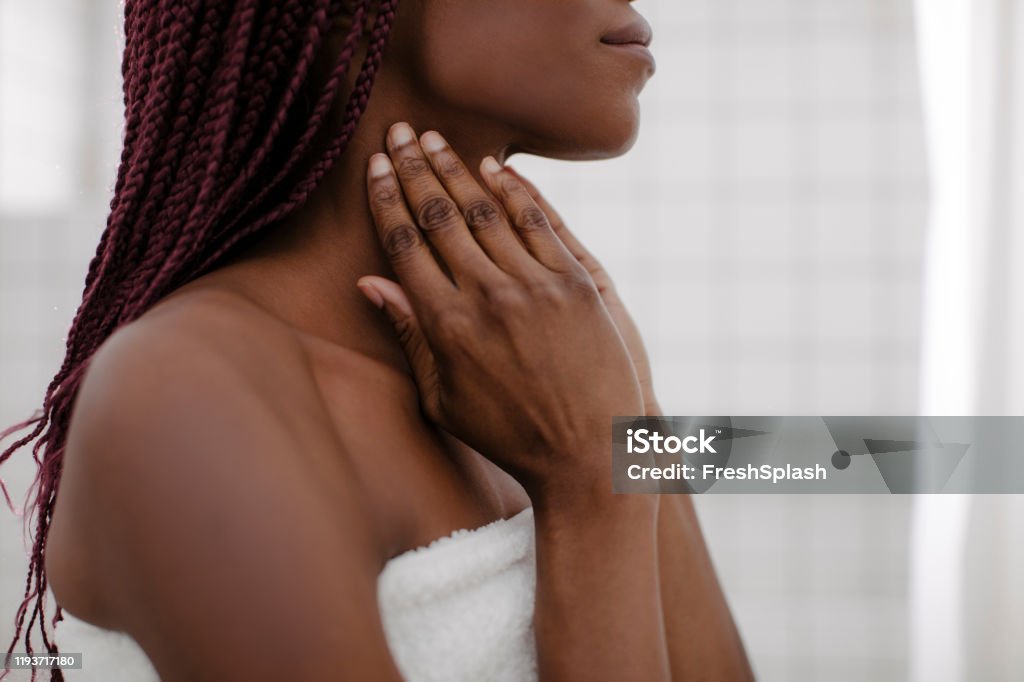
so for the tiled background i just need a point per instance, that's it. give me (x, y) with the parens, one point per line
(766, 230)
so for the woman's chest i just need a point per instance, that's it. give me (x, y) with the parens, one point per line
(421, 483)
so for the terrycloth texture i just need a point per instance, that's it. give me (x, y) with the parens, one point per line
(461, 609)
(457, 610)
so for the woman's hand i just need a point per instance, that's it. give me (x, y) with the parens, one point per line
(511, 347)
(515, 353)
(616, 308)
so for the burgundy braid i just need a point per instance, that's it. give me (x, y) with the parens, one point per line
(217, 145)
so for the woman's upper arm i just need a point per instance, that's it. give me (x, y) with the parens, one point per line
(210, 538)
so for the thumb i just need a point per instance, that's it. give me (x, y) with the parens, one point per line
(390, 297)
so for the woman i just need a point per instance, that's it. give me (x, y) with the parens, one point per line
(264, 477)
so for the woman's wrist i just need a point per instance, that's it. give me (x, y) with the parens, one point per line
(586, 496)
(614, 513)
(598, 610)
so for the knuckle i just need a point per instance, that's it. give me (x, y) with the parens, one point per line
(482, 214)
(405, 329)
(548, 289)
(413, 166)
(453, 327)
(386, 195)
(402, 241)
(532, 218)
(578, 283)
(509, 185)
(504, 295)
(451, 168)
(437, 213)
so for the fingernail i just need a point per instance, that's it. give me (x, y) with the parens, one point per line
(371, 293)
(432, 141)
(380, 165)
(401, 133)
(491, 165)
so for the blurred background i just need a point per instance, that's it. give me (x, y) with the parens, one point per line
(817, 219)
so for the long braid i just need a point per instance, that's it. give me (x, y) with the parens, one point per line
(198, 224)
(354, 110)
(215, 148)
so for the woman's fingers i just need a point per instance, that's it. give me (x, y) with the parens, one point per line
(403, 243)
(580, 252)
(557, 224)
(436, 213)
(423, 193)
(389, 297)
(484, 217)
(529, 219)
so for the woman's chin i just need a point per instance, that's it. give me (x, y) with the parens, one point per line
(622, 142)
(602, 138)
(590, 133)
(609, 142)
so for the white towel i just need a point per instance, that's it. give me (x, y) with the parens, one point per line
(462, 607)
(106, 654)
(457, 610)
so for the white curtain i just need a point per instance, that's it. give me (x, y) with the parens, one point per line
(967, 552)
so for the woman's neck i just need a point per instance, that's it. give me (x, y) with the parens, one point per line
(304, 269)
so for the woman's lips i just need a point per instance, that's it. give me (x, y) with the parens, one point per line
(637, 32)
(632, 38)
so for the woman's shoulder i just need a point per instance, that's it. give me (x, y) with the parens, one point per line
(212, 344)
(204, 370)
(194, 333)
(202, 404)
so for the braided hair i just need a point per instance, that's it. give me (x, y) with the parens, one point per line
(227, 129)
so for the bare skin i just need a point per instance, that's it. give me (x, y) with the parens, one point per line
(245, 457)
